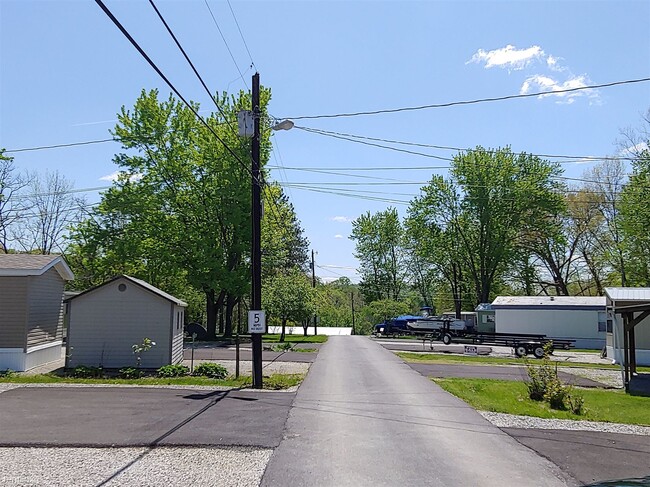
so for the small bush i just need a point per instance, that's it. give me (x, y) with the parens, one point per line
(212, 370)
(6, 373)
(540, 379)
(173, 371)
(556, 395)
(281, 347)
(544, 385)
(84, 372)
(576, 403)
(130, 373)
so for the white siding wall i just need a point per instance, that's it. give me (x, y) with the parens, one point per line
(106, 323)
(177, 335)
(641, 337)
(581, 325)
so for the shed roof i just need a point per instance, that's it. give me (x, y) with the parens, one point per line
(628, 293)
(138, 282)
(549, 302)
(33, 265)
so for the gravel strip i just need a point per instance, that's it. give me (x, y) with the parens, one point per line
(502, 420)
(611, 378)
(54, 467)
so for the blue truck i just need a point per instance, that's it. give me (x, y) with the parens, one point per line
(395, 327)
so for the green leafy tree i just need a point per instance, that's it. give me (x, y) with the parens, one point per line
(380, 310)
(333, 302)
(181, 206)
(471, 227)
(379, 248)
(432, 228)
(635, 221)
(284, 245)
(288, 297)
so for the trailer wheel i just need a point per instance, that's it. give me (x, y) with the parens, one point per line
(520, 351)
(446, 339)
(538, 352)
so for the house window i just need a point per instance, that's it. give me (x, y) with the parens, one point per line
(602, 321)
(610, 327)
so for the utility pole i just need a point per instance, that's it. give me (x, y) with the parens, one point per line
(256, 249)
(313, 285)
(352, 301)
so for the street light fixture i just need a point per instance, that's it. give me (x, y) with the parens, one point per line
(284, 125)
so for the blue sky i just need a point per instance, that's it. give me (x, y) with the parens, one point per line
(66, 70)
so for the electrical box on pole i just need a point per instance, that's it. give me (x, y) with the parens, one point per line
(246, 123)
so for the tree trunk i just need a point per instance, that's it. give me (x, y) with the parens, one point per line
(230, 306)
(305, 326)
(211, 314)
(284, 324)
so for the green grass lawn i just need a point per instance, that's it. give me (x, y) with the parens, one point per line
(295, 338)
(274, 381)
(447, 358)
(512, 397)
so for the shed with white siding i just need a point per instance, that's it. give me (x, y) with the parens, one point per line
(580, 318)
(636, 301)
(31, 318)
(106, 321)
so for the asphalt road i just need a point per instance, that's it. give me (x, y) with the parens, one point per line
(493, 372)
(364, 417)
(590, 456)
(121, 416)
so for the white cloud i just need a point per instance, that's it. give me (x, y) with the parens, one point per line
(341, 219)
(338, 235)
(635, 150)
(542, 83)
(508, 57)
(553, 63)
(115, 175)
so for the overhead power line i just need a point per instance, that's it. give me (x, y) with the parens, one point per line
(58, 146)
(187, 58)
(242, 35)
(396, 149)
(472, 102)
(214, 19)
(345, 136)
(169, 83)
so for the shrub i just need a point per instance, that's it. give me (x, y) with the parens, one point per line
(6, 373)
(544, 385)
(576, 403)
(556, 395)
(540, 378)
(282, 347)
(130, 373)
(212, 370)
(84, 372)
(173, 371)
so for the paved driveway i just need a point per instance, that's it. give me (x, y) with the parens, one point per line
(123, 416)
(590, 456)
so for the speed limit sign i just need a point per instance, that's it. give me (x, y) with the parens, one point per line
(256, 321)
